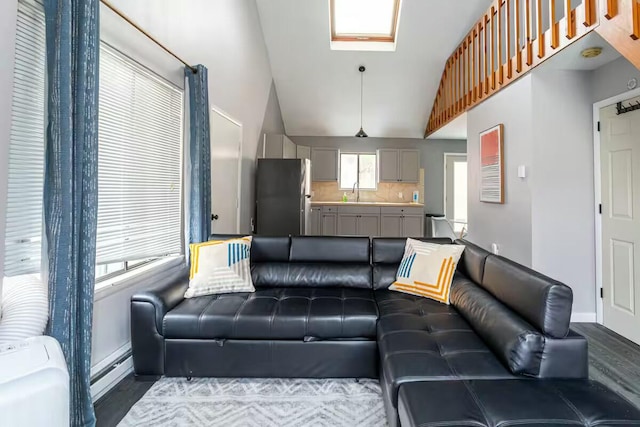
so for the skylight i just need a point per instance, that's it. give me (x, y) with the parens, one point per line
(364, 20)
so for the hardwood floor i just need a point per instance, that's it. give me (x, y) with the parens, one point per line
(613, 361)
(113, 406)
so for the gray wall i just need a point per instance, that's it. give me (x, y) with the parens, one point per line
(612, 79)
(562, 175)
(508, 225)
(431, 158)
(8, 11)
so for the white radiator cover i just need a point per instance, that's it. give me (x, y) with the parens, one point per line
(34, 384)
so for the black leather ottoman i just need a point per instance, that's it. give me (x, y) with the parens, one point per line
(495, 403)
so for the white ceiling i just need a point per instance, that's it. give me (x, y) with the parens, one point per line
(571, 59)
(319, 89)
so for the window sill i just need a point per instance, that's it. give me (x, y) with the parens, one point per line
(130, 278)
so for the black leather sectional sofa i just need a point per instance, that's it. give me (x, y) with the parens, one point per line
(501, 354)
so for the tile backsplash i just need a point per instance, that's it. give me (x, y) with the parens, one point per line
(387, 192)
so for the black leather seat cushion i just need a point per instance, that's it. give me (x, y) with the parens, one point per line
(276, 313)
(423, 340)
(513, 402)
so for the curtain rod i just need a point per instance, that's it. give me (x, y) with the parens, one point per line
(149, 36)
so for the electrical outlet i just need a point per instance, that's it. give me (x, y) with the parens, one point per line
(495, 248)
(400, 195)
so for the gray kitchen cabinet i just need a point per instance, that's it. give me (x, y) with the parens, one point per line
(303, 152)
(348, 225)
(391, 225)
(412, 226)
(278, 146)
(402, 221)
(329, 221)
(409, 166)
(369, 225)
(324, 164)
(329, 224)
(388, 164)
(358, 221)
(316, 221)
(398, 165)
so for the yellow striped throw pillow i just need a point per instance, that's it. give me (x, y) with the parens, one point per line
(427, 269)
(220, 267)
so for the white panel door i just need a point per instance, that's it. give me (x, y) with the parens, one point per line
(455, 195)
(620, 169)
(226, 152)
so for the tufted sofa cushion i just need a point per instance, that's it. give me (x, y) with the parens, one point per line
(423, 340)
(276, 313)
(513, 403)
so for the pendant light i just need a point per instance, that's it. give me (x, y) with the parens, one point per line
(361, 133)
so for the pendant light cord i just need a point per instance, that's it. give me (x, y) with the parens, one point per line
(361, 88)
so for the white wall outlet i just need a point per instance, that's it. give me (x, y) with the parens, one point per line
(495, 248)
(400, 195)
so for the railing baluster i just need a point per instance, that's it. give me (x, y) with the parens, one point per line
(635, 16)
(540, 29)
(493, 47)
(571, 20)
(508, 37)
(589, 12)
(519, 37)
(474, 52)
(486, 54)
(555, 25)
(612, 9)
(500, 46)
(529, 41)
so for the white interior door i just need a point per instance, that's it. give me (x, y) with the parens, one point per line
(455, 183)
(620, 178)
(226, 153)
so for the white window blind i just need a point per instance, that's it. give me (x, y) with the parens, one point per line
(26, 147)
(139, 208)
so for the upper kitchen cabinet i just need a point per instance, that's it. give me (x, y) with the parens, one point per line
(324, 164)
(277, 146)
(303, 152)
(398, 165)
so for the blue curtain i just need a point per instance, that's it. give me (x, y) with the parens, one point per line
(199, 155)
(71, 187)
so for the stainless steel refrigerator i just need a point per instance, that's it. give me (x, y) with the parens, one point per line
(283, 197)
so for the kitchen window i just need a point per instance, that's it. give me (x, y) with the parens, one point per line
(358, 170)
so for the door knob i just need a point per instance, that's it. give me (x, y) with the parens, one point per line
(214, 216)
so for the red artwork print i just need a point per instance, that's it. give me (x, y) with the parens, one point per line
(490, 148)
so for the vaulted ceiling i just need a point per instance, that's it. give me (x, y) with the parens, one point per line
(319, 88)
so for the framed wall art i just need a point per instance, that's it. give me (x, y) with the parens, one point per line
(492, 165)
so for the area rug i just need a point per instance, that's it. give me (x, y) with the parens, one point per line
(252, 402)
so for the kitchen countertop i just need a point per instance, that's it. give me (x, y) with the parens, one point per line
(382, 204)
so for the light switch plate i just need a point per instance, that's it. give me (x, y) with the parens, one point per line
(522, 171)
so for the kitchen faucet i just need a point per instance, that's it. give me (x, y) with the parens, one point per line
(353, 190)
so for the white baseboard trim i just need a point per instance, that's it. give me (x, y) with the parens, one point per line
(118, 370)
(107, 382)
(583, 317)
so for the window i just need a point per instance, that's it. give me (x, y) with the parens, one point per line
(359, 170)
(369, 21)
(140, 143)
(23, 236)
(139, 196)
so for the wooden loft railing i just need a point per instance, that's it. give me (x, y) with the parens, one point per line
(514, 36)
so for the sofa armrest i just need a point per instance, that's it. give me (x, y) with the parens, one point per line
(162, 298)
(148, 309)
(565, 357)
